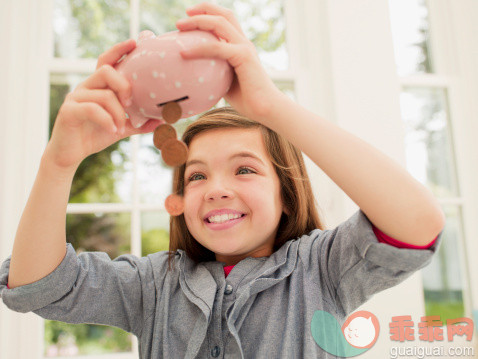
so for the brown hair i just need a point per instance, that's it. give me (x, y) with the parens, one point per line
(296, 191)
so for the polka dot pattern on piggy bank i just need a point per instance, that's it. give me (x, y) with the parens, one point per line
(159, 75)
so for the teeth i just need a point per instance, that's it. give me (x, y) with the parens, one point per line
(223, 218)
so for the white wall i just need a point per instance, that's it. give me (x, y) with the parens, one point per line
(24, 107)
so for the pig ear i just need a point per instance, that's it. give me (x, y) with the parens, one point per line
(146, 34)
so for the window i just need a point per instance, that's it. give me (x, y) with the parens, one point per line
(117, 195)
(430, 147)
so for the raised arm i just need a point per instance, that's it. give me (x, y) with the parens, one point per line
(40, 241)
(396, 203)
(91, 119)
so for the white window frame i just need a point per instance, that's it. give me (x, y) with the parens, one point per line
(455, 60)
(455, 57)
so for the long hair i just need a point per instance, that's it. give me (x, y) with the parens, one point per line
(296, 191)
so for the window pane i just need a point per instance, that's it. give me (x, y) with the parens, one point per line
(60, 86)
(105, 176)
(84, 29)
(154, 232)
(69, 340)
(429, 146)
(154, 176)
(262, 21)
(410, 30)
(443, 279)
(108, 233)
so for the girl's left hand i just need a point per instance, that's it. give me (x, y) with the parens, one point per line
(252, 92)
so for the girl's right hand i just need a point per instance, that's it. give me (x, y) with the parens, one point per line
(92, 116)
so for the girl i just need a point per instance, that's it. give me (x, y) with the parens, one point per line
(248, 207)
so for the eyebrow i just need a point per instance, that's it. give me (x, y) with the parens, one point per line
(239, 154)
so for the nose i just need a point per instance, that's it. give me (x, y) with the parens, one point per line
(218, 189)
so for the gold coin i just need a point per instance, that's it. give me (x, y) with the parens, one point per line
(171, 112)
(174, 152)
(162, 133)
(174, 205)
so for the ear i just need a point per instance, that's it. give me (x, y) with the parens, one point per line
(146, 34)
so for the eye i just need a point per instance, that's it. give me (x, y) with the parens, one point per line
(246, 168)
(193, 177)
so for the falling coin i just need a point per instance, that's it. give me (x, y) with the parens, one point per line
(162, 133)
(171, 112)
(174, 152)
(174, 205)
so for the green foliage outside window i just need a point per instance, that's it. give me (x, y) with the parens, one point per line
(82, 339)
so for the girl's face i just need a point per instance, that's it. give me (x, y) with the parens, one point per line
(221, 176)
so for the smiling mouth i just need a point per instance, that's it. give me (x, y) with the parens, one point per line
(207, 219)
(177, 100)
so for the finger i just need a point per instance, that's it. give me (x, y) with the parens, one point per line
(218, 25)
(148, 127)
(213, 9)
(108, 100)
(107, 77)
(235, 54)
(112, 55)
(92, 112)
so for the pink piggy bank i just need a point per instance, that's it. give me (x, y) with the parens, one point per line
(159, 75)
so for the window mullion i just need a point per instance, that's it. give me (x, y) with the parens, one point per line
(135, 214)
(136, 211)
(134, 27)
(83, 208)
(134, 24)
(78, 66)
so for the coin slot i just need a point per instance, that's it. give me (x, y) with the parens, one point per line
(177, 100)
